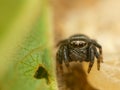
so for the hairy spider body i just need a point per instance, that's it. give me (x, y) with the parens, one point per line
(79, 48)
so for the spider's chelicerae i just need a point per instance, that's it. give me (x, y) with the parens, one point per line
(79, 48)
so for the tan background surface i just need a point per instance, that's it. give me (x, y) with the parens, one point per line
(99, 19)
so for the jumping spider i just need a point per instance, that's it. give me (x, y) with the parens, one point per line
(79, 48)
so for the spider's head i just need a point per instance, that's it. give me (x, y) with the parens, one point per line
(79, 41)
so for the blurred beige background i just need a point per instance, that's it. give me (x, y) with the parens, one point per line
(99, 19)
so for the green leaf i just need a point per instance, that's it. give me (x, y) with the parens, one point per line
(29, 52)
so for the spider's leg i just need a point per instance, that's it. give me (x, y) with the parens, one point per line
(59, 60)
(97, 55)
(65, 55)
(91, 57)
(100, 49)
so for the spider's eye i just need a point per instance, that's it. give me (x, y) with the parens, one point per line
(79, 43)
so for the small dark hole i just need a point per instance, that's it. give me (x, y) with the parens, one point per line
(41, 73)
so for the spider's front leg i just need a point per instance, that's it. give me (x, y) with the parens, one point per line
(59, 61)
(100, 50)
(98, 56)
(91, 58)
(65, 56)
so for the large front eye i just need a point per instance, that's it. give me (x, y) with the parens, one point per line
(79, 43)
